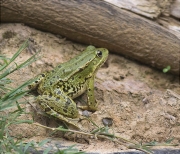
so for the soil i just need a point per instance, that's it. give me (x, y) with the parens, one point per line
(143, 103)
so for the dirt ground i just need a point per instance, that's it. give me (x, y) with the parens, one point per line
(143, 103)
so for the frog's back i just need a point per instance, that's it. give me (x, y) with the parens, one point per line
(79, 62)
(63, 72)
(81, 66)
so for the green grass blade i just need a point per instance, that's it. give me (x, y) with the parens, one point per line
(43, 142)
(25, 44)
(16, 90)
(24, 64)
(8, 100)
(28, 145)
(47, 150)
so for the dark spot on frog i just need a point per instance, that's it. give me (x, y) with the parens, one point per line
(47, 109)
(68, 102)
(79, 87)
(57, 99)
(72, 112)
(36, 81)
(80, 69)
(86, 78)
(60, 81)
(68, 87)
(74, 88)
(43, 75)
(64, 89)
(58, 92)
(50, 83)
(59, 66)
(65, 110)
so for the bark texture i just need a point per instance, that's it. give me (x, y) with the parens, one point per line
(101, 24)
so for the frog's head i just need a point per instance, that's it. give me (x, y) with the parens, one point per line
(101, 56)
(97, 56)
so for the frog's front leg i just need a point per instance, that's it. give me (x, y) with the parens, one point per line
(91, 101)
(60, 106)
(37, 81)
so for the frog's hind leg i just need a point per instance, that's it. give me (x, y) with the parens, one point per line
(61, 107)
(38, 79)
(50, 111)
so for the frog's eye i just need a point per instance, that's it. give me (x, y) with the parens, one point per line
(99, 53)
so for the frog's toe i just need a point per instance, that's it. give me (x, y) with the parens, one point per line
(93, 109)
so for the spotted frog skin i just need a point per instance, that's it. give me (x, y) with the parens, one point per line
(67, 81)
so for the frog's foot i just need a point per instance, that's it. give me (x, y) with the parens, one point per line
(50, 111)
(83, 107)
(70, 121)
(93, 109)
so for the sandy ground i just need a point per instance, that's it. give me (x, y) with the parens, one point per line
(142, 102)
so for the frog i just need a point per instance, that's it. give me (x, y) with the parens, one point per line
(57, 88)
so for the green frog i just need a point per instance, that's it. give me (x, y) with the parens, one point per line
(58, 87)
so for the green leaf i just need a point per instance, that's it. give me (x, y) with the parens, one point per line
(165, 70)
(43, 142)
(46, 151)
(61, 128)
(27, 146)
(169, 140)
(23, 121)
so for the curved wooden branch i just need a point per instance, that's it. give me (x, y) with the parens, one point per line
(101, 24)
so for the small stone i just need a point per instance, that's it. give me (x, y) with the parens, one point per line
(122, 77)
(118, 78)
(107, 121)
(145, 100)
(85, 113)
